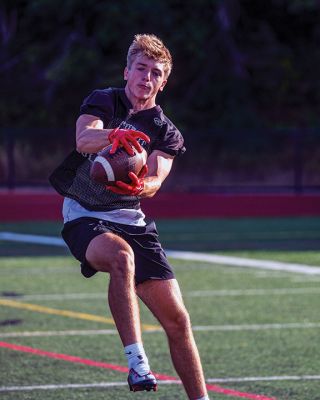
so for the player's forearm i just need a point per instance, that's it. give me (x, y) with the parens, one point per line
(92, 140)
(151, 185)
(159, 166)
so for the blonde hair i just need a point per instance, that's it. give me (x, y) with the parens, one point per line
(152, 47)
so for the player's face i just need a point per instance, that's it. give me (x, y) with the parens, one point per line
(145, 78)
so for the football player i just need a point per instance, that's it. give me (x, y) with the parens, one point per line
(106, 229)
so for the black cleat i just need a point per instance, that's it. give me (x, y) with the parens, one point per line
(138, 382)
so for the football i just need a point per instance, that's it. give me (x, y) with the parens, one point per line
(108, 168)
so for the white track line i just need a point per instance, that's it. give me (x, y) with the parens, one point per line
(197, 328)
(193, 293)
(37, 239)
(74, 386)
(106, 385)
(21, 271)
(184, 255)
(253, 292)
(302, 279)
(244, 262)
(60, 333)
(58, 296)
(265, 378)
(257, 327)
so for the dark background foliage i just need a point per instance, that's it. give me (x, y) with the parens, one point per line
(241, 68)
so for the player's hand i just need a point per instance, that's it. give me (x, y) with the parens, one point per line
(128, 139)
(132, 189)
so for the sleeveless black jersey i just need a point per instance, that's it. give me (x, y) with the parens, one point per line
(72, 178)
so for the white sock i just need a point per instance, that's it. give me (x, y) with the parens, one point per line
(137, 358)
(204, 398)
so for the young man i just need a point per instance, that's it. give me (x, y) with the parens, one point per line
(105, 227)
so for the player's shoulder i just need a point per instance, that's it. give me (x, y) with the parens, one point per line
(100, 103)
(165, 122)
(100, 94)
(108, 96)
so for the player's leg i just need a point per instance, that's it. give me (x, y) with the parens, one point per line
(109, 253)
(97, 245)
(163, 298)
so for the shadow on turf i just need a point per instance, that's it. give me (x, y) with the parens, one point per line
(25, 250)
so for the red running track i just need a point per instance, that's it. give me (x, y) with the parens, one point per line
(18, 205)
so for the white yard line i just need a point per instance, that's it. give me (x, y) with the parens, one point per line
(253, 292)
(244, 262)
(302, 279)
(193, 293)
(106, 385)
(59, 333)
(59, 296)
(184, 255)
(21, 271)
(37, 239)
(266, 378)
(74, 386)
(197, 328)
(257, 327)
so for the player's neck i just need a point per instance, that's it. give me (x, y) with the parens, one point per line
(140, 104)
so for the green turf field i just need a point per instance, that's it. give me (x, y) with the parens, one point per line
(257, 331)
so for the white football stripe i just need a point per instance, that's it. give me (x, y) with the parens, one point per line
(106, 166)
(143, 156)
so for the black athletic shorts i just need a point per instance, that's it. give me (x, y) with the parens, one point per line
(150, 259)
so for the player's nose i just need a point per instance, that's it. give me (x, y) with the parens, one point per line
(147, 75)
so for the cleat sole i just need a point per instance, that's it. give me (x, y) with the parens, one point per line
(140, 388)
(138, 385)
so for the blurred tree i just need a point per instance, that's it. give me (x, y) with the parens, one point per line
(237, 63)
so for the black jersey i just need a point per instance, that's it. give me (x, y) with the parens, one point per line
(72, 178)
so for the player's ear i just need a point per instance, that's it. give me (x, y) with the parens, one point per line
(163, 85)
(125, 74)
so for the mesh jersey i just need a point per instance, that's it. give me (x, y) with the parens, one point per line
(72, 178)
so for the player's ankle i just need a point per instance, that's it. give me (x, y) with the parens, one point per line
(204, 398)
(137, 358)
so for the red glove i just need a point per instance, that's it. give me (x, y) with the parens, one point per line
(132, 189)
(126, 138)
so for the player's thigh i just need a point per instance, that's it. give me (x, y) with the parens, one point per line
(164, 299)
(107, 251)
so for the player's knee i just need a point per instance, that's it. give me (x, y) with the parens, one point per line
(123, 263)
(178, 325)
(111, 254)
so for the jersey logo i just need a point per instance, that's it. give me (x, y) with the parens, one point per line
(158, 121)
(125, 125)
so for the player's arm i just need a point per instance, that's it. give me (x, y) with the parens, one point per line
(90, 135)
(159, 166)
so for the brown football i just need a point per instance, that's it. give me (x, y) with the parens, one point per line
(108, 168)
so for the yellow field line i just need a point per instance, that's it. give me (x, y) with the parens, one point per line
(66, 313)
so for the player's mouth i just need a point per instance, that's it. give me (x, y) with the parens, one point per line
(144, 87)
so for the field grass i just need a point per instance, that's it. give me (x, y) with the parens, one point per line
(248, 323)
